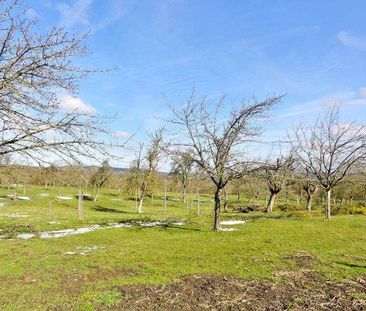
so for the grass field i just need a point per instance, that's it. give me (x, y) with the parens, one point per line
(82, 272)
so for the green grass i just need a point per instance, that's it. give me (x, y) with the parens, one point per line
(36, 274)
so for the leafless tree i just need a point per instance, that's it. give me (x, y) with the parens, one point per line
(145, 165)
(35, 68)
(216, 141)
(48, 175)
(310, 187)
(276, 175)
(329, 150)
(100, 177)
(182, 164)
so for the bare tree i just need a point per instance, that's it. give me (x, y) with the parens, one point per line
(216, 140)
(277, 175)
(310, 187)
(182, 164)
(35, 68)
(145, 166)
(100, 177)
(329, 150)
(48, 175)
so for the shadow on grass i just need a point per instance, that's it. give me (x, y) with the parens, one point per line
(351, 265)
(168, 226)
(85, 197)
(108, 210)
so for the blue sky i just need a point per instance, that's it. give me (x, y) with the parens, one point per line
(314, 51)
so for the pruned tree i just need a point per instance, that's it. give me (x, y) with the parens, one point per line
(215, 140)
(146, 164)
(35, 69)
(182, 164)
(277, 174)
(329, 150)
(100, 177)
(310, 187)
(48, 175)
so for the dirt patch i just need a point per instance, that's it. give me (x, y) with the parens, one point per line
(302, 259)
(305, 292)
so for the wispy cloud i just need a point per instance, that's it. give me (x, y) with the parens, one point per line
(352, 41)
(72, 104)
(32, 13)
(346, 99)
(121, 134)
(363, 92)
(78, 14)
(333, 102)
(75, 14)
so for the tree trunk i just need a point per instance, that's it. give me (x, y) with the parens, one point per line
(271, 201)
(96, 196)
(184, 193)
(300, 196)
(140, 202)
(165, 203)
(225, 201)
(217, 209)
(80, 205)
(141, 198)
(136, 201)
(327, 206)
(309, 200)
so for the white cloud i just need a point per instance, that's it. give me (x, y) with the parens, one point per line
(352, 41)
(333, 102)
(75, 104)
(75, 14)
(363, 92)
(32, 13)
(121, 134)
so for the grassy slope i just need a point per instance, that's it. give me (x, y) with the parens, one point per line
(36, 273)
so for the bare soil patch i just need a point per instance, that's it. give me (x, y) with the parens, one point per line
(230, 293)
(303, 289)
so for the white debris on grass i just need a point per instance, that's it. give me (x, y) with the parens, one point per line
(53, 223)
(44, 194)
(26, 236)
(15, 215)
(150, 224)
(116, 199)
(119, 225)
(232, 222)
(2, 204)
(24, 198)
(65, 232)
(14, 196)
(60, 197)
(83, 250)
(228, 229)
(180, 223)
